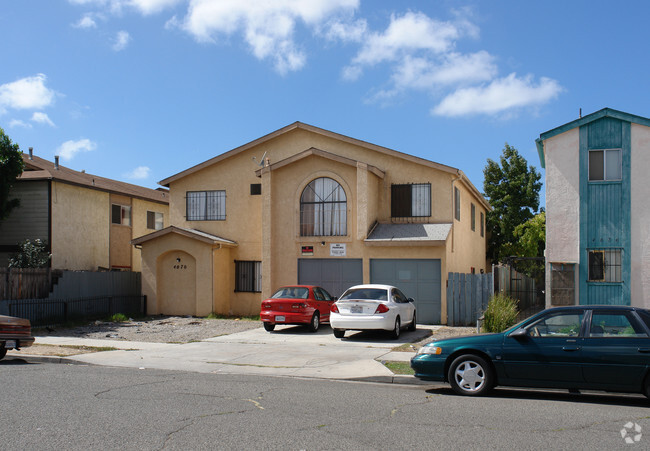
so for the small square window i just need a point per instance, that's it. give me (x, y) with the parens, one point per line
(121, 214)
(256, 189)
(605, 265)
(605, 165)
(248, 276)
(410, 200)
(154, 220)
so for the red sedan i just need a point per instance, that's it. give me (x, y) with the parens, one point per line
(297, 304)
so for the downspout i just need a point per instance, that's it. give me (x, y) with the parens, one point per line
(212, 277)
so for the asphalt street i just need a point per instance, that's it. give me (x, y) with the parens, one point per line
(50, 406)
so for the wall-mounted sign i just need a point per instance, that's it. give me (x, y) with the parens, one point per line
(337, 250)
(308, 250)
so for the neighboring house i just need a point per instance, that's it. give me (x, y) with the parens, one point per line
(321, 208)
(87, 221)
(597, 233)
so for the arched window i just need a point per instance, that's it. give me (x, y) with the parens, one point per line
(323, 209)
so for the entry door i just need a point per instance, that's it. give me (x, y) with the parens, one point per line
(417, 279)
(334, 274)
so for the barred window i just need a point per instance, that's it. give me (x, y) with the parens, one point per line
(248, 276)
(410, 200)
(323, 209)
(605, 265)
(206, 206)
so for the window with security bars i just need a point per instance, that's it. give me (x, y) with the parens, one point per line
(248, 276)
(411, 200)
(605, 265)
(563, 283)
(206, 205)
(323, 209)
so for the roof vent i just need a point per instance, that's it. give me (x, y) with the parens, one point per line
(56, 162)
(31, 153)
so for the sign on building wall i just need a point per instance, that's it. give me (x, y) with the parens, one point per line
(337, 250)
(308, 250)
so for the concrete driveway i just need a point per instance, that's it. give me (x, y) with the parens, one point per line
(288, 351)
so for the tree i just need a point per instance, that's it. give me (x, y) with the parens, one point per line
(31, 255)
(11, 166)
(512, 188)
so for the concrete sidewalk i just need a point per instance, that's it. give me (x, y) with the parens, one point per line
(289, 351)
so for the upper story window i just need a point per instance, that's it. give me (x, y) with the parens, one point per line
(482, 224)
(412, 200)
(457, 204)
(154, 220)
(121, 214)
(323, 209)
(473, 218)
(206, 206)
(605, 165)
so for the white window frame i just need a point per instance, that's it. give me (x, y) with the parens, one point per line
(125, 215)
(618, 162)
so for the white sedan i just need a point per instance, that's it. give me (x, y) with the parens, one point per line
(372, 307)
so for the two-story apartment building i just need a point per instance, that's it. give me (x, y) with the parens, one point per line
(306, 205)
(87, 221)
(597, 233)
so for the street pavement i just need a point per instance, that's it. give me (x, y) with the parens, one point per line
(288, 351)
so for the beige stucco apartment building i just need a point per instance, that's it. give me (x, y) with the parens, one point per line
(87, 221)
(306, 205)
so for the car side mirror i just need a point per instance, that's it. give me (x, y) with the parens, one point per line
(519, 333)
(411, 300)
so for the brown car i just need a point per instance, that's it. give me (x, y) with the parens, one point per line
(15, 333)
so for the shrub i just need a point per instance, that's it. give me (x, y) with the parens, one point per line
(119, 318)
(500, 314)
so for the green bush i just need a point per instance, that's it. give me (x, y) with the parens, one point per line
(119, 318)
(500, 314)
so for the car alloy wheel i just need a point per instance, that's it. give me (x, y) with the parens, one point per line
(470, 375)
(315, 322)
(269, 326)
(395, 333)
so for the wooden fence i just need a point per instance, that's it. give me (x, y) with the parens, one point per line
(27, 283)
(467, 297)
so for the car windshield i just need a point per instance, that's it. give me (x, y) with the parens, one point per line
(291, 293)
(376, 294)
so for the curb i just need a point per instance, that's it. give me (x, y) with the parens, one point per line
(42, 359)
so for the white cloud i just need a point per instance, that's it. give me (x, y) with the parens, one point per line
(69, 149)
(153, 6)
(500, 95)
(346, 31)
(122, 39)
(86, 22)
(18, 123)
(26, 93)
(139, 173)
(42, 118)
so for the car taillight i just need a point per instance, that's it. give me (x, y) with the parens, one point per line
(334, 308)
(381, 308)
(266, 306)
(299, 305)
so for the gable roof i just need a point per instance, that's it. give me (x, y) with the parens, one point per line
(189, 233)
(37, 168)
(605, 112)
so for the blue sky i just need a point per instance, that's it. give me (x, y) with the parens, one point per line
(138, 90)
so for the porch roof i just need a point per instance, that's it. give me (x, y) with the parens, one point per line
(190, 233)
(403, 234)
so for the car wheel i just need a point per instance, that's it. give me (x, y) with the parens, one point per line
(396, 330)
(315, 322)
(412, 326)
(339, 333)
(3, 350)
(646, 386)
(269, 326)
(470, 375)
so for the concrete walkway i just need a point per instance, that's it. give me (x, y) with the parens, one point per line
(288, 351)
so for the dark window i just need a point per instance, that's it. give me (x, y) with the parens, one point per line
(154, 220)
(563, 283)
(482, 224)
(121, 214)
(323, 209)
(473, 218)
(410, 201)
(206, 206)
(605, 165)
(605, 265)
(457, 203)
(615, 325)
(248, 276)
(256, 189)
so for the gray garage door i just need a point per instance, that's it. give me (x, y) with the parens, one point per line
(418, 279)
(334, 274)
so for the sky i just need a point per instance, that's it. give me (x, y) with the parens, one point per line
(139, 90)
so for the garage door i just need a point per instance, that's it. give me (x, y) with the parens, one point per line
(334, 274)
(418, 279)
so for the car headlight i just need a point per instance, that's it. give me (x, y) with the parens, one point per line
(435, 350)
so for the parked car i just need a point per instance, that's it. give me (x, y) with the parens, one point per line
(578, 347)
(297, 304)
(372, 307)
(15, 333)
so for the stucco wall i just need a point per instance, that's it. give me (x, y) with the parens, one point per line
(139, 225)
(80, 227)
(640, 216)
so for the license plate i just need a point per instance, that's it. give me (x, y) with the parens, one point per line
(356, 309)
(279, 319)
(10, 344)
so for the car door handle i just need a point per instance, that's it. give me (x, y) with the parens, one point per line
(643, 349)
(571, 348)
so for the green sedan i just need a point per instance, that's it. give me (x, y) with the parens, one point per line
(579, 347)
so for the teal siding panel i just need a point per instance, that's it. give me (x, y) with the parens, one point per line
(605, 294)
(605, 215)
(605, 133)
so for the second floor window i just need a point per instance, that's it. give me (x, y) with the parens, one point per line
(121, 214)
(154, 220)
(604, 165)
(206, 206)
(457, 204)
(323, 209)
(412, 200)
